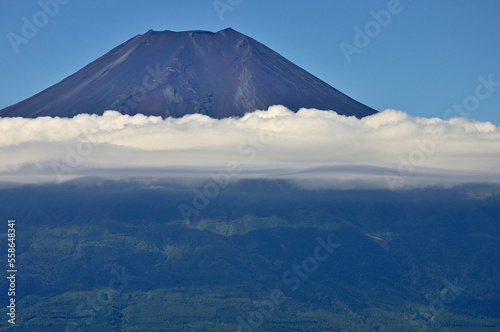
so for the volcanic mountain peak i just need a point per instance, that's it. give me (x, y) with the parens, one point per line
(171, 73)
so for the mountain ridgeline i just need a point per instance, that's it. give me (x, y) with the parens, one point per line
(168, 73)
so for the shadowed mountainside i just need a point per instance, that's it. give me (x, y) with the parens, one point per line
(406, 260)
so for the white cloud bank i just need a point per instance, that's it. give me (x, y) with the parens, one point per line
(390, 149)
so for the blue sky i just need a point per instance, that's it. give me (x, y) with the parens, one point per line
(429, 56)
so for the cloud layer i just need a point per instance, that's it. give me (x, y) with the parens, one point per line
(388, 149)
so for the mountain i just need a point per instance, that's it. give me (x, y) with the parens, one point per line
(101, 255)
(170, 73)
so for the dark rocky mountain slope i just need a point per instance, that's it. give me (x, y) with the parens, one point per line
(169, 73)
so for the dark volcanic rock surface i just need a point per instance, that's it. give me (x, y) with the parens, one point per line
(169, 73)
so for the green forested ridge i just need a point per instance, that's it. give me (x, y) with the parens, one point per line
(399, 252)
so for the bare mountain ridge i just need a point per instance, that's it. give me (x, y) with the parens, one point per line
(170, 73)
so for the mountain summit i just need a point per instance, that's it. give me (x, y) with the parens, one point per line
(170, 73)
